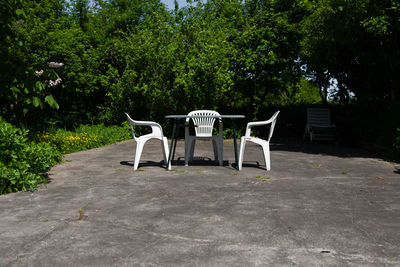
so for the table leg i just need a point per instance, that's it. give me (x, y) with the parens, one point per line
(221, 145)
(176, 141)
(235, 143)
(171, 153)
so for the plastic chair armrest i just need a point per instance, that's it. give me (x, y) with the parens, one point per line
(258, 123)
(147, 123)
(255, 123)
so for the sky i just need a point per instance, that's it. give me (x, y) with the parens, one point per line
(170, 3)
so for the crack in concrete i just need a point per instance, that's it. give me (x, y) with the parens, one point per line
(180, 237)
(358, 227)
(36, 240)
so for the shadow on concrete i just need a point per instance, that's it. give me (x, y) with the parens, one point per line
(323, 148)
(144, 163)
(199, 161)
(252, 164)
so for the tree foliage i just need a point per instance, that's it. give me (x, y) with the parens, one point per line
(230, 55)
(357, 43)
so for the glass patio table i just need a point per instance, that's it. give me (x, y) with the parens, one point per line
(174, 138)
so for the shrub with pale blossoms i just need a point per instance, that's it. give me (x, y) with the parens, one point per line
(54, 83)
(38, 73)
(55, 64)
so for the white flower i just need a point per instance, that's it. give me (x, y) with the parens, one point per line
(38, 73)
(54, 83)
(55, 64)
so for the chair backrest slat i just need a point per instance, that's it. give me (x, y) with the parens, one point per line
(318, 117)
(203, 126)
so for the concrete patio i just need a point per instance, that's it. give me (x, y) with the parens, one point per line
(320, 205)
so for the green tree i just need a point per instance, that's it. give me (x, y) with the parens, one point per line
(266, 49)
(355, 42)
(175, 62)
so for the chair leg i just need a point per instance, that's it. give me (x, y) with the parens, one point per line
(214, 144)
(166, 152)
(267, 160)
(241, 152)
(138, 153)
(215, 148)
(220, 152)
(191, 151)
(187, 143)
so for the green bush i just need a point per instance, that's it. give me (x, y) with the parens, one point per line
(84, 137)
(22, 162)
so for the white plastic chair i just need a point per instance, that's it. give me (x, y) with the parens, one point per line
(203, 129)
(263, 143)
(157, 133)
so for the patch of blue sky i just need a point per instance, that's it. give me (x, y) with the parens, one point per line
(170, 4)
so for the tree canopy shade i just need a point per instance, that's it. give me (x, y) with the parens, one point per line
(230, 55)
(355, 42)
